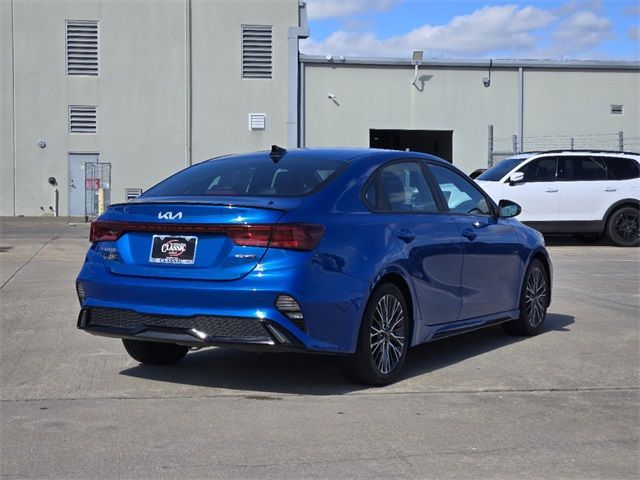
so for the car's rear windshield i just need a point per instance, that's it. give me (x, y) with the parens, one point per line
(499, 170)
(250, 176)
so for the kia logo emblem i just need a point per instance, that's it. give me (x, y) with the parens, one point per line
(169, 215)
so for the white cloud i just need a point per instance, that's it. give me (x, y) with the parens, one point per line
(491, 28)
(319, 9)
(633, 34)
(581, 32)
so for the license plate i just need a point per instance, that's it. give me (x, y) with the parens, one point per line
(173, 249)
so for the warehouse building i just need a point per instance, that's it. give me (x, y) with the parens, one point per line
(102, 99)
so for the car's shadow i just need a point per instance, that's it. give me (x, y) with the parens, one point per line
(570, 241)
(319, 374)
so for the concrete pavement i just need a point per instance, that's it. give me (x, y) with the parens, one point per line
(565, 404)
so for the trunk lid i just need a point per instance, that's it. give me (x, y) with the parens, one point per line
(188, 239)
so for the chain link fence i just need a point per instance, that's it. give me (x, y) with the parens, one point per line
(500, 148)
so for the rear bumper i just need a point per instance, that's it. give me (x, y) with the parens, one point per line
(191, 331)
(331, 302)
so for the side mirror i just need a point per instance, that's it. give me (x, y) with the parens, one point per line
(516, 177)
(508, 209)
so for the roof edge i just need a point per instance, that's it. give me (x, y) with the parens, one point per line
(481, 63)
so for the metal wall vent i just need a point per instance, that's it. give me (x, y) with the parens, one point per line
(257, 51)
(132, 193)
(257, 121)
(82, 48)
(83, 119)
(616, 109)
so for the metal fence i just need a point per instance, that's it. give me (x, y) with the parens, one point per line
(500, 148)
(97, 188)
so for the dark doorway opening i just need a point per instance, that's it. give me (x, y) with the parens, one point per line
(435, 142)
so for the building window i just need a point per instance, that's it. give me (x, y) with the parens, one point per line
(257, 51)
(82, 48)
(83, 119)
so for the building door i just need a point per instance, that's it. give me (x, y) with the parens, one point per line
(434, 142)
(76, 181)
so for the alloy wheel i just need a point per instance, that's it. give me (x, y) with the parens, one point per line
(536, 296)
(626, 227)
(387, 335)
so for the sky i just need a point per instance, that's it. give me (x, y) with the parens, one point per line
(468, 29)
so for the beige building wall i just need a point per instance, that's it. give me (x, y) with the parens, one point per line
(578, 102)
(6, 110)
(373, 96)
(222, 99)
(140, 93)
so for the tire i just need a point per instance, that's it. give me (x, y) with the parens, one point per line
(155, 353)
(590, 237)
(622, 227)
(534, 300)
(383, 339)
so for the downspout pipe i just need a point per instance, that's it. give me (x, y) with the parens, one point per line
(189, 87)
(293, 85)
(520, 109)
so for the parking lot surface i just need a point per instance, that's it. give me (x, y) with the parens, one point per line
(564, 404)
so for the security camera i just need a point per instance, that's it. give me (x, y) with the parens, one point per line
(52, 181)
(486, 81)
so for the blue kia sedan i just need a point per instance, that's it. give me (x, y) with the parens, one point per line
(352, 252)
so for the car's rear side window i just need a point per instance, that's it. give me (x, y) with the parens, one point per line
(620, 168)
(580, 169)
(400, 187)
(252, 176)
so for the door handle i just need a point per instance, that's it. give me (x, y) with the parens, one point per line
(551, 190)
(610, 189)
(405, 235)
(71, 184)
(469, 233)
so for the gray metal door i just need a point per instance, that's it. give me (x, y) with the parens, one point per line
(76, 181)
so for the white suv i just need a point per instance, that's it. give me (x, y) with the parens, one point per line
(589, 194)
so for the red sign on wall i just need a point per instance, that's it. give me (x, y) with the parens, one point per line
(92, 183)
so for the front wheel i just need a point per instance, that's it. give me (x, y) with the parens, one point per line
(383, 340)
(155, 353)
(534, 300)
(622, 227)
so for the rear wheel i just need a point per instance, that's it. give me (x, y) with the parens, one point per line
(155, 353)
(383, 339)
(534, 300)
(623, 227)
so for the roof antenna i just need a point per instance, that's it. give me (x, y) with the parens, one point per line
(277, 153)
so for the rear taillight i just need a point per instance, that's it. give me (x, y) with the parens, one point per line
(250, 235)
(106, 231)
(296, 237)
(289, 236)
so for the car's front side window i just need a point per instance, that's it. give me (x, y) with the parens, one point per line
(400, 187)
(540, 170)
(460, 194)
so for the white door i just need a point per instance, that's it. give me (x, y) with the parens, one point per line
(586, 192)
(539, 193)
(76, 187)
